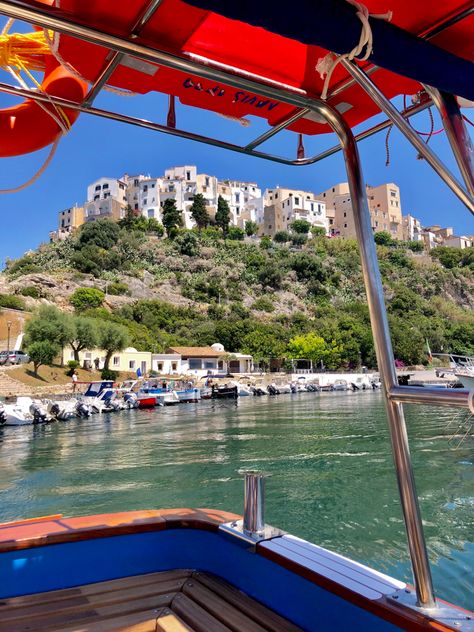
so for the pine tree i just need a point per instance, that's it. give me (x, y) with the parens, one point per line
(223, 215)
(199, 212)
(172, 218)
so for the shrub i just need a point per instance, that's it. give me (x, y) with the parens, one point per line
(155, 227)
(117, 288)
(281, 237)
(188, 244)
(399, 259)
(72, 365)
(300, 226)
(263, 304)
(22, 266)
(251, 228)
(299, 239)
(384, 238)
(318, 231)
(235, 233)
(266, 242)
(32, 291)
(416, 246)
(42, 352)
(271, 276)
(103, 233)
(108, 374)
(12, 302)
(447, 256)
(86, 298)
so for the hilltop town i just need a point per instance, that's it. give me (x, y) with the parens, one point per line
(272, 211)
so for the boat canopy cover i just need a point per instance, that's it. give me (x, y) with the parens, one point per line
(278, 42)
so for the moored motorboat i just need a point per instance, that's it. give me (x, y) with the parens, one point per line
(24, 412)
(101, 397)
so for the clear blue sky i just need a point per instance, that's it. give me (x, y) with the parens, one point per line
(96, 147)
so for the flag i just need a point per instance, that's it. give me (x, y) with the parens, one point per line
(428, 351)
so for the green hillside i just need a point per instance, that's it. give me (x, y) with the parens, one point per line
(299, 296)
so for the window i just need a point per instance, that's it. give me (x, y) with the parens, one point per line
(207, 181)
(195, 363)
(160, 366)
(393, 193)
(96, 197)
(116, 360)
(131, 364)
(105, 186)
(331, 222)
(376, 224)
(188, 175)
(276, 196)
(151, 213)
(174, 366)
(145, 202)
(345, 214)
(121, 186)
(153, 186)
(237, 197)
(237, 210)
(136, 207)
(62, 223)
(209, 364)
(145, 188)
(297, 201)
(97, 187)
(345, 225)
(135, 182)
(333, 190)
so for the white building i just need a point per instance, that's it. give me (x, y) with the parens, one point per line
(201, 361)
(106, 198)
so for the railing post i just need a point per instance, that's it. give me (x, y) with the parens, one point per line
(254, 502)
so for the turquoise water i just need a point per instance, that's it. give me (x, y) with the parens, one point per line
(331, 474)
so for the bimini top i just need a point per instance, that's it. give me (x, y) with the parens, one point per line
(280, 43)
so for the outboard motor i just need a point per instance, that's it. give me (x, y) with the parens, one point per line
(82, 410)
(131, 400)
(54, 409)
(272, 390)
(39, 415)
(3, 415)
(294, 388)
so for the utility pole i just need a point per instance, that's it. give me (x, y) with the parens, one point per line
(9, 326)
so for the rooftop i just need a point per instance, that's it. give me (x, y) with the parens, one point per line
(195, 352)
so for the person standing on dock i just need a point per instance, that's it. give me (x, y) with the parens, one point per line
(74, 381)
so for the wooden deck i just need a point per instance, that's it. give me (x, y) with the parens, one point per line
(170, 601)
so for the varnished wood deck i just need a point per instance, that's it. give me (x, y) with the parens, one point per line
(171, 601)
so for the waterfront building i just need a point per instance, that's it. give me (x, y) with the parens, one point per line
(129, 360)
(201, 361)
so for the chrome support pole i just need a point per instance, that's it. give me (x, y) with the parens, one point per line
(277, 128)
(385, 359)
(458, 397)
(254, 503)
(457, 134)
(116, 58)
(391, 111)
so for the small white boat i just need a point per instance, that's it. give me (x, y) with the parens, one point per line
(101, 397)
(466, 377)
(25, 412)
(340, 385)
(242, 389)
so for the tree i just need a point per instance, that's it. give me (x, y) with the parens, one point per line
(383, 238)
(235, 233)
(251, 228)
(300, 226)
(111, 338)
(42, 352)
(318, 231)
(271, 276)
(281, 237)
(199, 211)
(262, 344)
(447, 256)
(299, 239)
(313, 347)
(188, 244)
(103, 233)
(155, 227)
(172, 218)
(222, 214)
(266, 242)
(84, 334)
(86, 298)
(49, 324)
(416, 246)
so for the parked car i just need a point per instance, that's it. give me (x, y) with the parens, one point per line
(14, 357)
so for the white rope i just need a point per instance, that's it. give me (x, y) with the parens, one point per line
(327, 64)
(54, 45)
(243, 121)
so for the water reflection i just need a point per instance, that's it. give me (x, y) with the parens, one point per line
(332, 478)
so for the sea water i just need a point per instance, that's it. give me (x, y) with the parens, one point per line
(331, 477)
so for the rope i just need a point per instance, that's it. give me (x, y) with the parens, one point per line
(26, 52)
(468, 120)
(387, 148)
(243, 121)
(39, 173)
(54, 49)
(326, 65)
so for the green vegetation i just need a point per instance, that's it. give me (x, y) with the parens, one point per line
(86, 298)
(12, 302)
(199, 211)
(270, 298)
(251, 228)
(172, 218)
(222, 215)
(32, 291)
(42, 352)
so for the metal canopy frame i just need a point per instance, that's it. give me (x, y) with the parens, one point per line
(395, 395)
